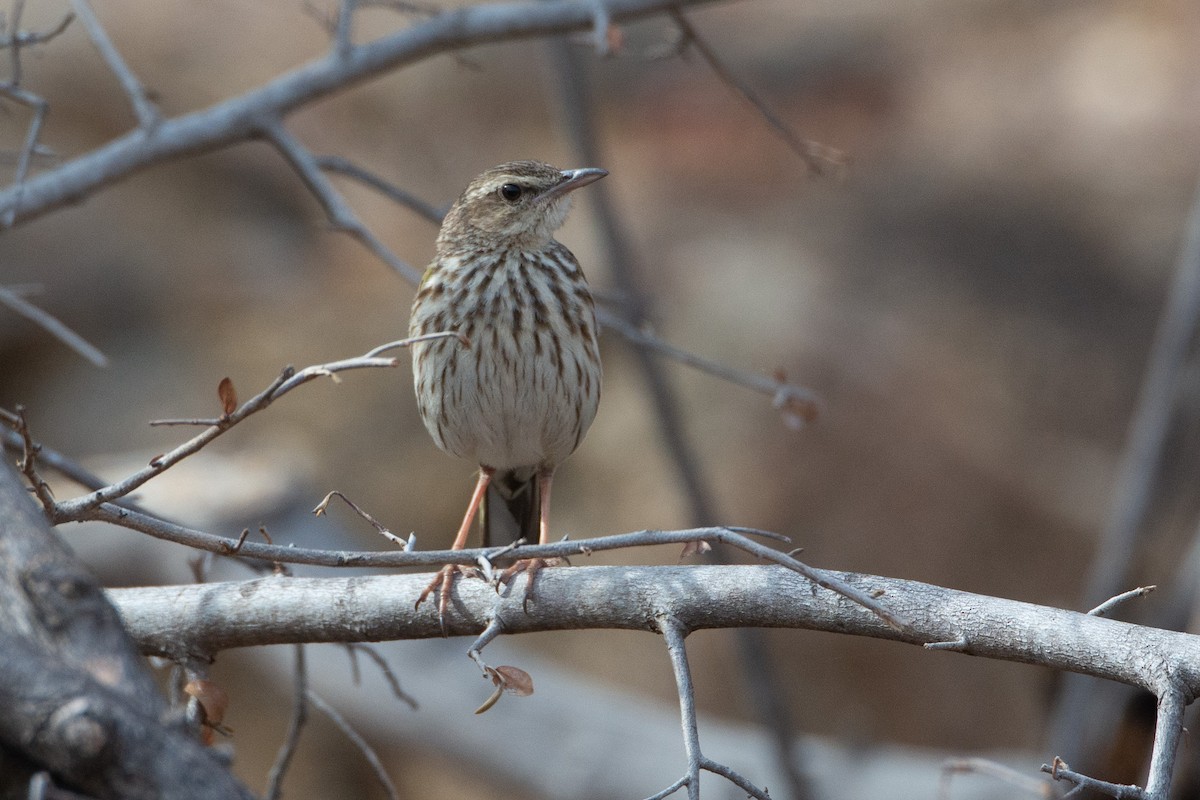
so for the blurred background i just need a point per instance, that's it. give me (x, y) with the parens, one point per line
(974, 300)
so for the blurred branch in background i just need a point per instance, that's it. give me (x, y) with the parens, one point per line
(1086, 713)
(634, 314)
(15, 302)
(261, 114)
(252, 114)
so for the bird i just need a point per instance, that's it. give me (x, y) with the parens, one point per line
(518, 389)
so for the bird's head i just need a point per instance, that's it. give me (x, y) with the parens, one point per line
(522, 201)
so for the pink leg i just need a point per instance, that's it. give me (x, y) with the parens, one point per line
(544, 479)
(485, 477)
(444, 580)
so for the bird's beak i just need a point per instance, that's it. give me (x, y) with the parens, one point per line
(573, 179)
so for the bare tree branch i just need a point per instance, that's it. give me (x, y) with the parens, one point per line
(208, 618)
(211, 617)
(15, 41)
(76, 509)
(295, 727)
(817, 157)
(344, 166)
(54, 327)
(340, 214)
(243, 117)
(675, 633)
(359, 743)
(1074, 720)
(145, 111)
(78, 700)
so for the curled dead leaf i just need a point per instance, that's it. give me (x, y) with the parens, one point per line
(694, 549)
(507, 680)
(228, 395)
(516, 681)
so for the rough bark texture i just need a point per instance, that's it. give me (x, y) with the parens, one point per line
(77, 699)
(203, 619)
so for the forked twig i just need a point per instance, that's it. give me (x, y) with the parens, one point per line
(341, 215)
(72, 510)
(675, 634)
(344, 166)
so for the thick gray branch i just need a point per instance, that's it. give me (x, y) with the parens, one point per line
(77, 698)
(203, 619)
(248, 115)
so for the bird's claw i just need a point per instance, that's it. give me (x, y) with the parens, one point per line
(530, 566)
(443, 583)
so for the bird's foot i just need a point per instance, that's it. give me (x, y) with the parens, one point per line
(531, 567)
(443, 583)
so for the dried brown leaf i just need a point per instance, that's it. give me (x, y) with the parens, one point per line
(507, 680)
(228, 395)
(514, 680)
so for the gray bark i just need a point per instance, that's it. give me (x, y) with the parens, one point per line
(77, 699)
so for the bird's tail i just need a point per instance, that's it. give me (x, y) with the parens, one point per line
(510, 508)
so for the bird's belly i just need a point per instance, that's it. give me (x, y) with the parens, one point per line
(506, 401)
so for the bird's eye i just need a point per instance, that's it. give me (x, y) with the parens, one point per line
(510, 192)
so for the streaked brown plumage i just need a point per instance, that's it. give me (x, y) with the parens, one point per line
(520, 397)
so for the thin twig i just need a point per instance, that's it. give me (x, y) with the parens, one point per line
(289, 379)
(17, 38)
(816, 156)
(15, 42)
(323, 507)
(13, 91)
(1061, 772)
(982, 766)
(54, 327)
(341, 215)
(1074, 716)
(1105, 608)
(28, 465)
(358, 741)
(797, 404)
(733, 537)
(343, 35)
(29, 147)
(147, 114)
(392, 681)
(48, 457)
(299, 717)
(344, 166)
(675, 634)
